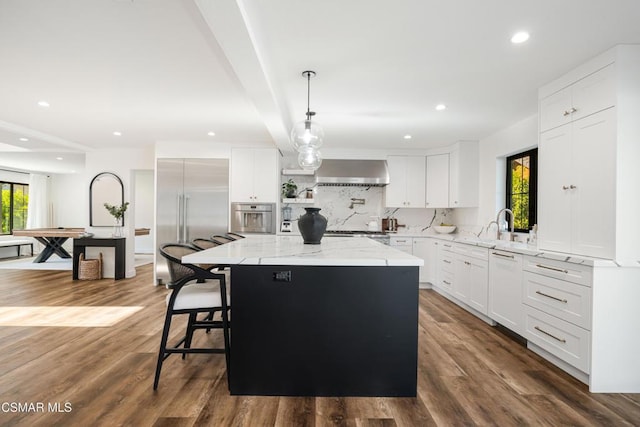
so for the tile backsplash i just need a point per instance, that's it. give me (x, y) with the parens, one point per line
(336, 205)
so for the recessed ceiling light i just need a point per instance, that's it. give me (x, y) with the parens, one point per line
(520, 37)
(441, 107)
(58, 158)
(116, 133)
(407, 136)
(43, 104)
(211, 133)
(23, 139)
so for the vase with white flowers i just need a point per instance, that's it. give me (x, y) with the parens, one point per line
(117, 212)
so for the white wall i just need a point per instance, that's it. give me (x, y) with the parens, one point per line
(70, 198)
(493, 151)
(145, 203)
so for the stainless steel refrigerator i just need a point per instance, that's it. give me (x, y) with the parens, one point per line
(192, 201)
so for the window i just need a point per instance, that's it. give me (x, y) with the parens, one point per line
(522, 188)
(13, 206)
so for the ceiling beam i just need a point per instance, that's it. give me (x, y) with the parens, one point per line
(239, 37)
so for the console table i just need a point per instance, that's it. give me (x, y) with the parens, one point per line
(80, 245)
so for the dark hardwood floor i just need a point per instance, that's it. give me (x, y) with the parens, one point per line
(469, 373)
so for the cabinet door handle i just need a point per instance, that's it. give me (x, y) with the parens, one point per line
(467, 262)
(562, 340)
(573, 187)
(502, 255)
(553, 268)
(446, 283)
(446, 246)
(551, 296)
(573, 110)
(566, 113)
(447, 261)
(564, 187)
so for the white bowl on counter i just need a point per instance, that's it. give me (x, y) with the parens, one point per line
(444, 229)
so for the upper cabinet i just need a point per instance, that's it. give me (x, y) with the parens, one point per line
(406, 187)
(254, 175)
(463, 175)
(588, 173)
(448, 180)
(437, 185)
(582, 98)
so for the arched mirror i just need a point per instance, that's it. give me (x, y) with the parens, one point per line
(105, 187)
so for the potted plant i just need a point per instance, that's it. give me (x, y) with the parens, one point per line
(289, 189)
(118, 213)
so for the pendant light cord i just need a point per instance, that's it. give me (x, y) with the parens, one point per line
(308, 95)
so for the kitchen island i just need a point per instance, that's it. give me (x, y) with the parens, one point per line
(335, 319)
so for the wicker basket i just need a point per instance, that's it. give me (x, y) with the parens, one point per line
(90, 269)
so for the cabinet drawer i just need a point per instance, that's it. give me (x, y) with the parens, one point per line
(565, 300)
(400, 241)
(471, 250)
(576, 273)
(446, 263)
(562, 339)
(446, 281)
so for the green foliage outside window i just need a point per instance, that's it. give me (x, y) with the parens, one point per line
(13, 207)
(520, 195)
(522, 189)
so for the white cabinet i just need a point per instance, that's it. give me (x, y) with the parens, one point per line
(505, 290)
(404, 244)
(437, 181)
(463, 175)
(254, 175)
(588, 160)
(576, 204)
(444, 267)
(406, 187)
(471, 276)
(557, 307)
(427, 249)
(588, 95)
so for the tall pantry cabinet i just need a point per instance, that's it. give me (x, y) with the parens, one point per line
(588, 204)
(589, 149)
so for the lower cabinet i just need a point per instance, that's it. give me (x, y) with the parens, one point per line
(444, 268)
(505, 289)
(427, 249)
(558, 306)
(471, 276)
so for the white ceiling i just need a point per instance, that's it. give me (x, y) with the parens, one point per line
(168, 70)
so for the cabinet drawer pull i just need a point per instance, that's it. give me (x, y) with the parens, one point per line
(502, 255)
(467, 262)
(573, 110)
(446, 246)
(551, 296)
(566, 113)
(447, 261)
(446, 283)
(562, 340)
(552, 268)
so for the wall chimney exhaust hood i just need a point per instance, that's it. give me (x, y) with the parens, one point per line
(353, 172)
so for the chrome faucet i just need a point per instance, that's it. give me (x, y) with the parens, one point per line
(497, 221)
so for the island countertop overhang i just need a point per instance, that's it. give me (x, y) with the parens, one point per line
(290, 250)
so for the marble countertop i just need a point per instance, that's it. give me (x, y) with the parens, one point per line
(290, 250)
(526, 249)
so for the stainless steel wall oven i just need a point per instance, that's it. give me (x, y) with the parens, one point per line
(253, 218)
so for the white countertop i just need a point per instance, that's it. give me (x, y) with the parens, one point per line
(526, 249)
(290, 250)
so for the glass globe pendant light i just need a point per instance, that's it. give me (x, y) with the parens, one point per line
(307, 136)
(309, 158)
